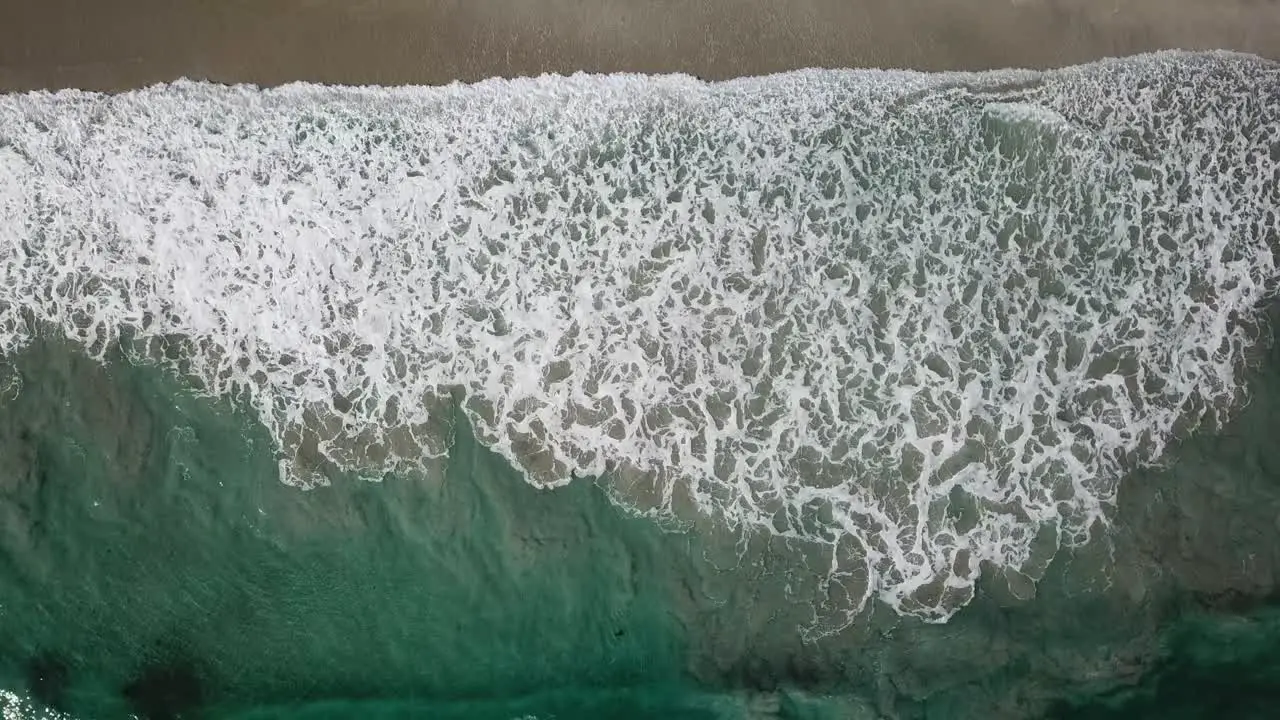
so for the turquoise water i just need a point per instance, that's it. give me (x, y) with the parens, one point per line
(834, 394)
(155, 565)
(170, 543)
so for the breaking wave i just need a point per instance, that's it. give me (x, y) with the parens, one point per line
(924, 321)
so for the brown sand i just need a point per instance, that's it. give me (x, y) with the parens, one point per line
(115, 44)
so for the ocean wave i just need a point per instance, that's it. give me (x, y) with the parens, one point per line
(923, 321)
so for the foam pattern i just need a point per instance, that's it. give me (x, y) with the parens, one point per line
(924, 321)
(16, 707)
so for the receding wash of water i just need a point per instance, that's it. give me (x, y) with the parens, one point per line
(915, 327)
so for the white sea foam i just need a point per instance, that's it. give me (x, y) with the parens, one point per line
(926, 319)
(17, 707)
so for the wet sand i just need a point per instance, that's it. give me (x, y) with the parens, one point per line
(118, 44)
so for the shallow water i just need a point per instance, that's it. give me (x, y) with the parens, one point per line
(925, 321)
(633, 395)
(153, 564)
(169, 545)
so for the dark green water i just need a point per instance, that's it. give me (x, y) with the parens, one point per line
(151, 564)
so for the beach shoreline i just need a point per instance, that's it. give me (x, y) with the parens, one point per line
(133, 43)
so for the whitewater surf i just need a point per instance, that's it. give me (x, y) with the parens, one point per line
(920, 320)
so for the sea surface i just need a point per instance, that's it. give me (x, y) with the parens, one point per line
(830, 394)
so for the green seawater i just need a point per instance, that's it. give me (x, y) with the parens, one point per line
(153, 559)
(152, 565)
